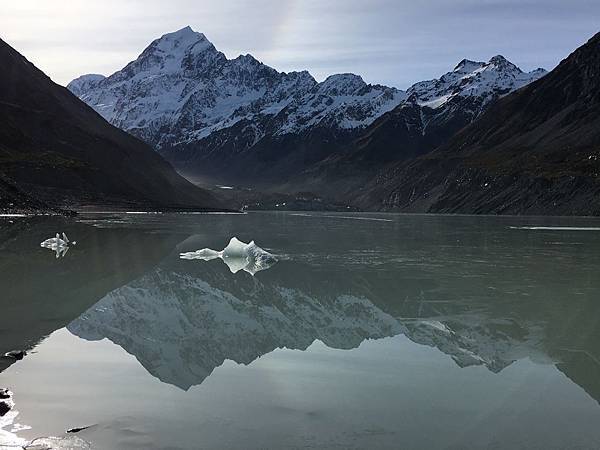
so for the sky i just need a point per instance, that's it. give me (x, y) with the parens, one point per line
(392, 42)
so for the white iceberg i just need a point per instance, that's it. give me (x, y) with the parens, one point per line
(237, 255)
(58, 244)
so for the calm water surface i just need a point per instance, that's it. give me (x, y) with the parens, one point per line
(371, 331)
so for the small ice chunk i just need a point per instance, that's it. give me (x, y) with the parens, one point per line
(58, 244)
(237, 256)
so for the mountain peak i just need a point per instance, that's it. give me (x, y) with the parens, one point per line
(170, 53)
(498, 59)
(471, 79)
(500, 62)
(342, 84)
(182, 39)
(184, 32)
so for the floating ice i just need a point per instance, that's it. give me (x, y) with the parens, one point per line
(319, 216)
(558, 228)
(58, 244)
(237, 255)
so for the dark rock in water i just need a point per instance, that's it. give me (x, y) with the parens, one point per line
(15, 354)
(4, 393)
(78, 429)
(4, 408)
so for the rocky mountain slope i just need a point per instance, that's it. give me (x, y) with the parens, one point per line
(432, 113)
(436, 109)
(536, 151)
(240, 121)
(56, 152)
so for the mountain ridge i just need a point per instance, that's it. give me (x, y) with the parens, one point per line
(240, 121)
(533, 152)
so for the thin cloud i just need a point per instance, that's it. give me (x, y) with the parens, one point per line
(385, 41)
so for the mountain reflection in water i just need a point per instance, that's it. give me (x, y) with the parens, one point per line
(181, 321)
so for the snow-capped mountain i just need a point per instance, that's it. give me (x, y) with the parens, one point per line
(58, 155)
(532, 154)
(181, 89)
(484, 80)
(234, 119)
(433, 112)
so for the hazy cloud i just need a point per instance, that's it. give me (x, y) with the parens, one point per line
(386, 41)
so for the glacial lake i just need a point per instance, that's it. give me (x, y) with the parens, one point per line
(370, 331)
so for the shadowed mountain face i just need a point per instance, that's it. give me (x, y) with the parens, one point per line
(42, 293)
(433, 112)
(535, 151)
(185, 318)
(58, 152)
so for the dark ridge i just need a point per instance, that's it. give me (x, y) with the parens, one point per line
(535, 151)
